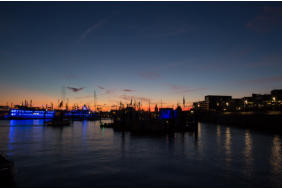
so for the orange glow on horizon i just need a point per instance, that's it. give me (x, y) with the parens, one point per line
(17, 96)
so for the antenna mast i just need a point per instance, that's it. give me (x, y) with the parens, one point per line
(95, 106)
(63, 93)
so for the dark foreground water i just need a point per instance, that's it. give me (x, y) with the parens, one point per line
(84, 155)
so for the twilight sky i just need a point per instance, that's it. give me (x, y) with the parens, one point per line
(149, 50)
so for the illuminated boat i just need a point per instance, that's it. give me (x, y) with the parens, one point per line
(83, 114)
(59, 119)
(30, 114)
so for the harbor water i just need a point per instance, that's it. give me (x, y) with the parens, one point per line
(86, 155)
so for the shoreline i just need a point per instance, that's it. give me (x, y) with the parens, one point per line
(270, 121)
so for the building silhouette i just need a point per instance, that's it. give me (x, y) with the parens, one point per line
(256, 102)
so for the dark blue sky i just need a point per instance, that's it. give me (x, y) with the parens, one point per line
(150, 50)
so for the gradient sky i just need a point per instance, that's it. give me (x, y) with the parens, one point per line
(149, 50)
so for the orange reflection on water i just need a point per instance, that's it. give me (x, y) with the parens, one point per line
(218, 138)
(218, 134)
(218, 130)
(275, 159)
(199, 130)
(199, 141)
(227, 146)
(248, 152)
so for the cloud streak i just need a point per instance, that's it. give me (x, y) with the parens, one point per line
(183, 89)
(137, 98)
(110, 91)
(263, 80)
(268, 19)
(84, 97)
(70, 76)
(100, 23)
(164, 31)
(100, 87)
(3, 52)
(268, 61)
(107, 91)
(150, 75)
(128, 90)
(73, 89)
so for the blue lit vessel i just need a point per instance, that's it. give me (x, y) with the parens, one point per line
(30, 114)
(59, 120)
(83, 114)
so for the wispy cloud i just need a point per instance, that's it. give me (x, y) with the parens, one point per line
(84, 97)
(150, 75)
(164, 31)
(128, 90)
(75, 89)
(3, 52)
(107, 91)
(240, 53)
(262, 80)
(267, 61)
(110, 91)
(154, 70)
(215, 67)
(100, 23)
(100, 87)
(268, 19)
(184, 89)
(136, 98)
(172, 33)
(70, 76)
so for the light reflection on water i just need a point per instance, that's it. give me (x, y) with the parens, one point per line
(228, 147)
(248, 153)
(85, 155)
(275, 159)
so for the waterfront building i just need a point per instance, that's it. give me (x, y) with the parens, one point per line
(201, 106)
(4, 111)
(236, 104)
(218, 102)
(256, 102)
(4, 108)
(276, 94)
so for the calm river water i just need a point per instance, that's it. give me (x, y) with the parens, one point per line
(84, 155)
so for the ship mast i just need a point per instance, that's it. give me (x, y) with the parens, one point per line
(183, 102)
(95, 97)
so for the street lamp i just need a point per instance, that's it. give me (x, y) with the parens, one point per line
(245, 103)
(274, 99)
